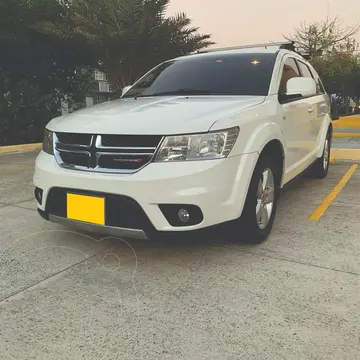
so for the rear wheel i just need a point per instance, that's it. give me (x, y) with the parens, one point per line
(256, 221)
(321, 167)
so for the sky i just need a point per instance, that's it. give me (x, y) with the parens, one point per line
(238, 22)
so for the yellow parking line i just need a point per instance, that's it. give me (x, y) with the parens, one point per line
(336, 134)
(19, 148)
(23, 168)
(351, 118)
(319, 212)
(347, 124)
(345, 154)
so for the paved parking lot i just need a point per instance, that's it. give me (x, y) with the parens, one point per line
(65, 295)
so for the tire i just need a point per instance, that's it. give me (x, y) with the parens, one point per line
(320, 168)
(255, 223)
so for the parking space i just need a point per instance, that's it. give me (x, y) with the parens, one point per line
(67, 295)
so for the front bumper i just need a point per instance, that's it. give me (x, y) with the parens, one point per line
(97, 229)
(217, 187)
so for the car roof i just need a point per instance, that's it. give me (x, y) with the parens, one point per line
(239, 51)
(260, 50)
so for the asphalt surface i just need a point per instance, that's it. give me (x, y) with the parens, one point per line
(65, 295)
(347, 142)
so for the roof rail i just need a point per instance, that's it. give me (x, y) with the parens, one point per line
(288, 45)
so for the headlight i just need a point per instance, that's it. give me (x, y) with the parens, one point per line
(48, 142)
(212, 145)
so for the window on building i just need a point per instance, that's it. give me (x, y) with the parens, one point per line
(99, 75)
(104, 86)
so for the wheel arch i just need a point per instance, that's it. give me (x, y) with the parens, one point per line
(275, 148)
(269, 139)
(325, 129)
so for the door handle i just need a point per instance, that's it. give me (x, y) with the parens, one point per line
(311, 109)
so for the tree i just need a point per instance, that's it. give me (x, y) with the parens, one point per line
(128, 37)
(36, 70)
(332, 48)
(340, 74)
(325, 37)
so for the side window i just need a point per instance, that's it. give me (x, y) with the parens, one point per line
(290, 70)
(319, 85)
(308, 72)
(305, 71)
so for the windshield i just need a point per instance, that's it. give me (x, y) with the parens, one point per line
(235, 74)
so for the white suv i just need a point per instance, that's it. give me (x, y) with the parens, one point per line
(198, 142)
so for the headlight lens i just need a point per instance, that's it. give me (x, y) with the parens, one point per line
(48, 142)
(213, 145)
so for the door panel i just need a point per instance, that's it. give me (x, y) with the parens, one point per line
(323, 108)
(319, 104)
(296, 128)
(296, 119)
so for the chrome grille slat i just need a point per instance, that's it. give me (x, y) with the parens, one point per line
(125, 153)
(106, 159)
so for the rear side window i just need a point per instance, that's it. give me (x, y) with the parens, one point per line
(319, 85)
(305, 71)
(290, 71)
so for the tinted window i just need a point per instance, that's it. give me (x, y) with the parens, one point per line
(235, 74)
(319, 86)
(305, 70)
(290, 70)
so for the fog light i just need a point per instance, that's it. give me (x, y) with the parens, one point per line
(183, 215)
(38, 195)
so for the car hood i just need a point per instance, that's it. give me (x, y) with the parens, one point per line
(154, 115)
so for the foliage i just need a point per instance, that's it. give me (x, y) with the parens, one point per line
(341, 74)
(324, 38)
(49, 48)
(128, 37)
(333, 52)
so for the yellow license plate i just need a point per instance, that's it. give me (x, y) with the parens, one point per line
(84, 208)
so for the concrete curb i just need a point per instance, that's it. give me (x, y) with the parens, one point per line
(345, 154)
(19, 148)
(351, 122)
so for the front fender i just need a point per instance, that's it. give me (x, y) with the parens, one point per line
(255, 144)
(262, 136)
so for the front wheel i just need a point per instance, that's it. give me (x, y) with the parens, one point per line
(256, 221)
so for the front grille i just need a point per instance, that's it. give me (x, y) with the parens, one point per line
(130, 140)
(105, 153)
(74, 139)
(75, 159)
(120, 211)
(123, 162)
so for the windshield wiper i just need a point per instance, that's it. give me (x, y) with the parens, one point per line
(189, 92)
(135, 95)
(177, 92)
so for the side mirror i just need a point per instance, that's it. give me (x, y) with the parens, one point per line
(125, 90)
(301, 86)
